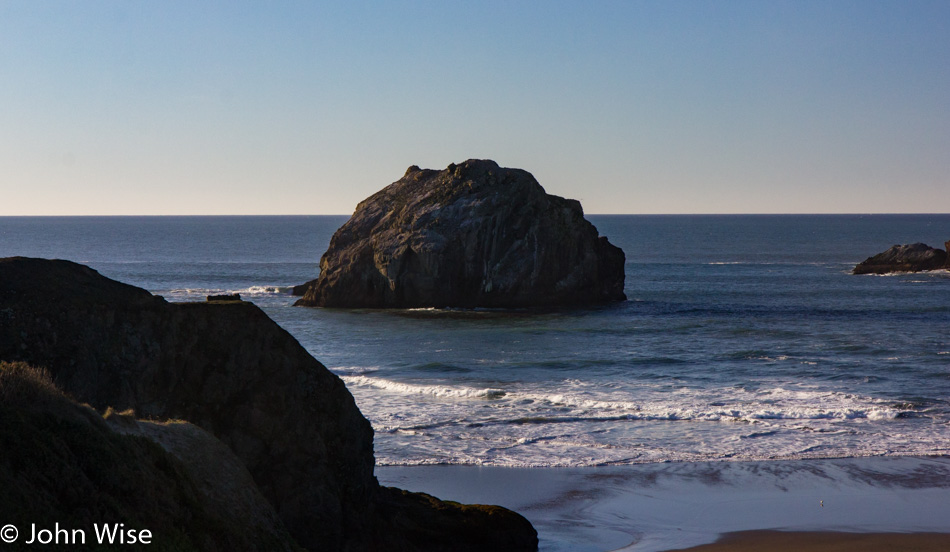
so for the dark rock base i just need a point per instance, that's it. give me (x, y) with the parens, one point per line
(915, 257)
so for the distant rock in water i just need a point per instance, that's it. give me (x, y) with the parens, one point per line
(904, 258)
(472, 235)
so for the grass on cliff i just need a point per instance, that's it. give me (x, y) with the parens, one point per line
(61, 463)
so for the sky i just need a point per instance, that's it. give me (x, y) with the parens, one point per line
(182, 107)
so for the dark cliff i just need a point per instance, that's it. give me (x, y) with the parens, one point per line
(224, 366)
(472, 235)
(61, 463)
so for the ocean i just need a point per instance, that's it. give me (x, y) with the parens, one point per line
(743, 338)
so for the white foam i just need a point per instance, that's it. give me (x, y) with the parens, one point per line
(434, 390)
(576, 423)
(264, 290)
(185, 291)
(792, 405)
(718, 263)
(200, 293)
(343, 371)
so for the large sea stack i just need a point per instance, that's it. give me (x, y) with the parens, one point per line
(915, 257)
(227, 368)
(472, 235)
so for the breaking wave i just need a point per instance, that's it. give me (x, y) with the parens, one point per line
(541, 407)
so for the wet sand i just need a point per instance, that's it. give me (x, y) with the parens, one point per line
(674, 506)
(779, 541)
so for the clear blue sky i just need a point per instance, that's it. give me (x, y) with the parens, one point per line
(182, 107)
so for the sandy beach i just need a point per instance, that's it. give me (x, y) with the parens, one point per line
(832, 504)
(826, 541)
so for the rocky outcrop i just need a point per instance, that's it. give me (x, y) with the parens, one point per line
(225, 297)
(61, 463)
(904, 258)
(472, 235)
(418, 519)
(223, 366)
(221, 479)
(301, 289)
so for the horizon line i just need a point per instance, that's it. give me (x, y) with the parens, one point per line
(860, 213)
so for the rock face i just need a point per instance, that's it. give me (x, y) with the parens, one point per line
(60, 462)
(472, 235)
(225, 297)
(904, 258)
(223, 366)
(301, 289)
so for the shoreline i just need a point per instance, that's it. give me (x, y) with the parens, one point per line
(675, 506)
(824, 541)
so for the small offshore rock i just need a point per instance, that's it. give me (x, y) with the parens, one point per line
(914, 257)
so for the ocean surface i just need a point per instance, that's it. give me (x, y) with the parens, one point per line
(744, 338)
